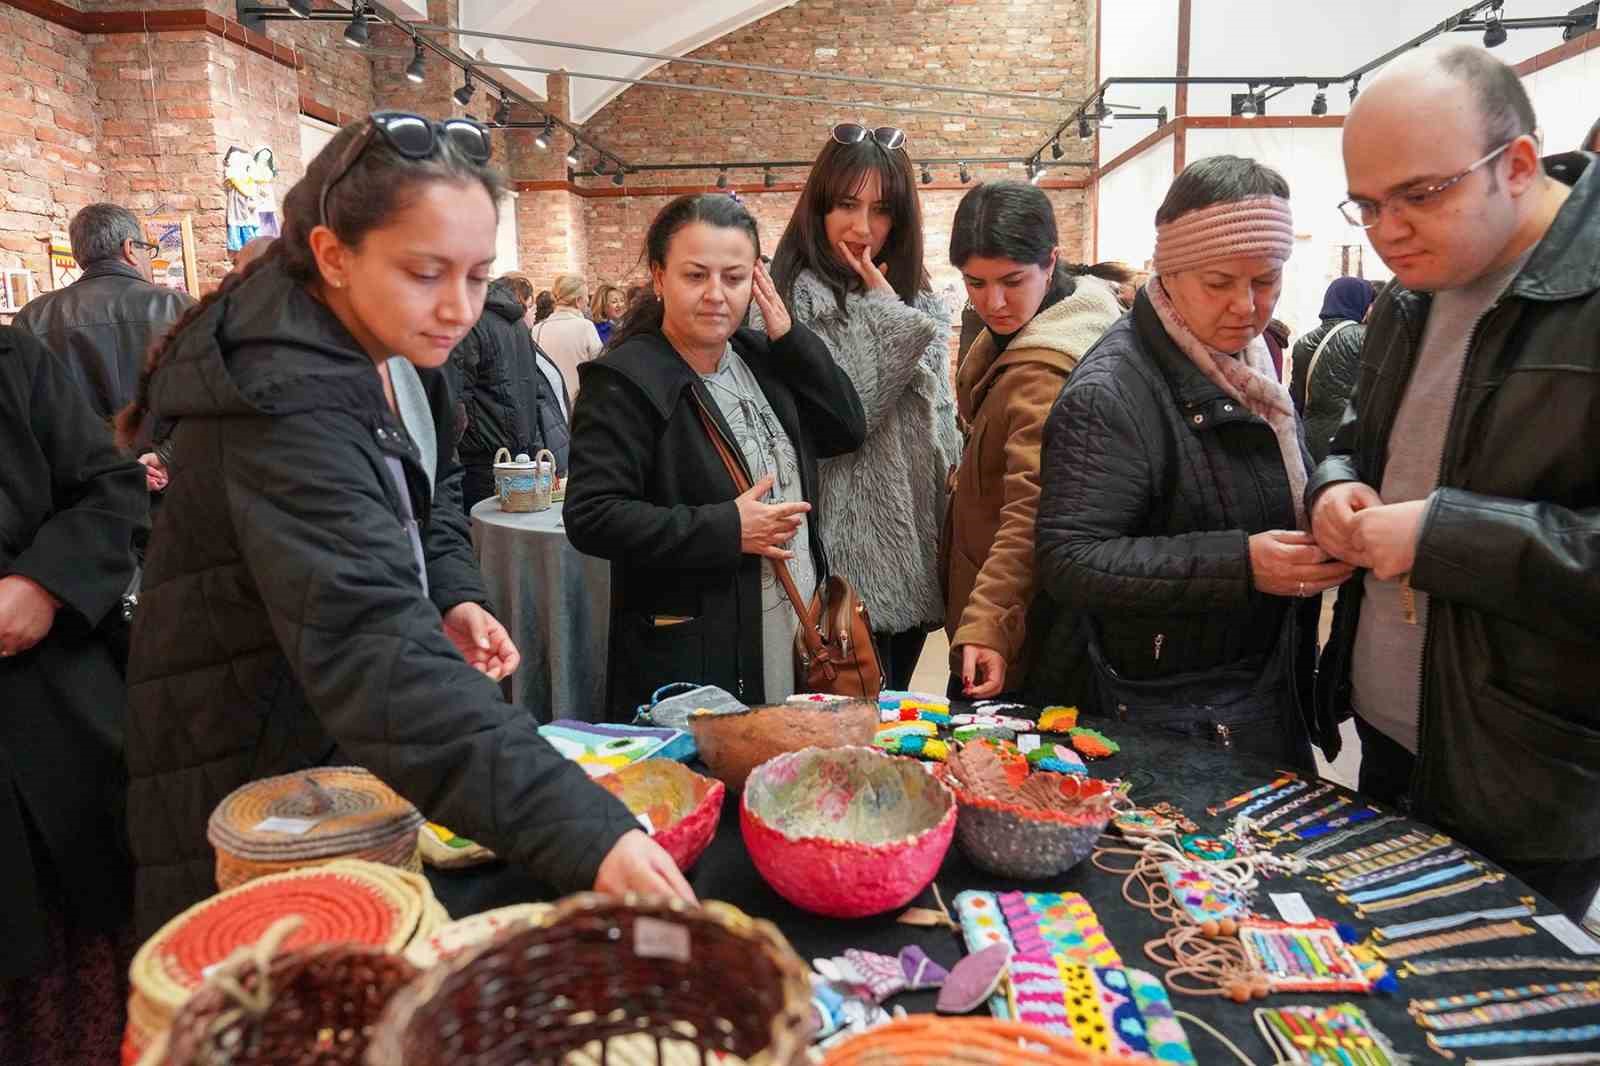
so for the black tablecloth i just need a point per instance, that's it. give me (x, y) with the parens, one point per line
(1161, 767)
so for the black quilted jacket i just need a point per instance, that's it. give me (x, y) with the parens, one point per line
(1321, 388)
(282, 624)
(1153, 481)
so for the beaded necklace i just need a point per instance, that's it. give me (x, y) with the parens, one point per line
(1445, 1042)
(1330, 842)
(1373, 895)
(1294, 805)
(1525, 909)
(1468, 964)
(1455, 888)
(1421, 945)
(1372, 851)
(1396, 869)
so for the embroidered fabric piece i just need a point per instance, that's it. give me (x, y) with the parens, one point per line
(1340, 1035)
(1302, 957)
(1036, 925)
(1037, 994)
(1089, 1025)
(1202, 898)
(1128, 1035)
(1168, 1042)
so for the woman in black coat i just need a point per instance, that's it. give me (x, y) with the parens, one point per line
(310, 597)
(1173, 471)
(693, 595)
(70, 504)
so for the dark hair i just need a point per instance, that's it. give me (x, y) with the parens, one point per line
(544, 305)
(520, 286)
(838, 172)
(1503, 105)
(1003, 220)
(1112, 270)
(646, 312)
(1591, 143)
(1219, 179)
(97, 232)
(377, 186)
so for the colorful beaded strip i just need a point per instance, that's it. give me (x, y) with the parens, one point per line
(1450, 1041)
(1242, 798)
(1329, 843)
(1496, 995)
(1525, 909)
(1312, 832)
(1392, 859)
(1454, 888)
(1468, 964)
(1372, 852)
(1495, 1013)
(1294, 805)
(1345, 884)
(1276, 797)
(1315, 816)
(1402, 949)
(1400, 888)
(1339, 1035)
(1302, 957)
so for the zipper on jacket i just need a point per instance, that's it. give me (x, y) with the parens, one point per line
(1224, 735)
(1161, 638)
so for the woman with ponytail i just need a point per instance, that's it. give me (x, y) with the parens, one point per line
(310, 597)
(693, 595)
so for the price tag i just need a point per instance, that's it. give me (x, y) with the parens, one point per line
(1292, 907)
(656, 939)
(296, 826)
(1562, 928)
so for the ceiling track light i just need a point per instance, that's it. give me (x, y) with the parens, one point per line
(965, 174)
(543, 139)
(722, 178)
(927, 175)
(1494, 30)
(600, 166)
(1085, 130)
(572, 155)
(1247, 106)
(1035, 172)
(1055, 147)
(300, 8)
(1319, 104)
(1104, 115)
(769, 179)
(355, 34)
(1355, 88)
(619, 177)
(502, 111)
(414, 72)
(463, 95)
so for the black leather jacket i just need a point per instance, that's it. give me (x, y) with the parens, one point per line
(102, 325)
(509, 402)
(1509, 550)
(1321, 392)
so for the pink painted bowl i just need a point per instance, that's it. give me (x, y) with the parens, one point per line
(846, 832)
(683, 807)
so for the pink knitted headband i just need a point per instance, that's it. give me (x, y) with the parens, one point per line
(1260, 227)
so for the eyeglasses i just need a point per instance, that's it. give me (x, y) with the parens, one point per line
(414, 137)
(1364, 214)
(888, 137)
(148, 246)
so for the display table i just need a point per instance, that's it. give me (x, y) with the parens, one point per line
(556, 604)
(1161, 767)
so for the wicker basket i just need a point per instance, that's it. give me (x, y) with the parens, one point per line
(603, 979)
(310, 818)
(456, 938)
(928, 1040)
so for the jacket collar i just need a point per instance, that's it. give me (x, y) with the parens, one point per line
(1566, 262)
(1188, 384)
(110, 268)
(655, 368)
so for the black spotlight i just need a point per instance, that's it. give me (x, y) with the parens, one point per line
(1035, 172)
(927, 175)
(572, 155)
(1085, 131)
(966, 176)
(618, 178)
(1319, 104)
(1247, 105)
(600, 165)
(300, 8)
(355, 34)
(414, 70)
(1055, 148)
(502, 111)
(463, 95)
(543, 139)
(1355, 89)
(722, 179)
(769, 179)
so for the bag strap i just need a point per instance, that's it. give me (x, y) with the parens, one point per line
(741, 485)
(1323, 343)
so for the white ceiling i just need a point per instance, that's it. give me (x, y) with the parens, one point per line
(671, 27)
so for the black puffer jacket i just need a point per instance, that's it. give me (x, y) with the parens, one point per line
(1322, 383)
(507, 398)
(282, 625)
(1152, 482)
(650, 494)
(1509, 550)
(102, 325)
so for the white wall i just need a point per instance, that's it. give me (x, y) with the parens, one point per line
(1126, 212)
(1137, 40)
(1566, 97)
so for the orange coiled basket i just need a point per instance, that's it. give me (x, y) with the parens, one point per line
(929, 1040)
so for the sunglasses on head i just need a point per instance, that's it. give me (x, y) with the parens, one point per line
(887, 137)
(413, 137)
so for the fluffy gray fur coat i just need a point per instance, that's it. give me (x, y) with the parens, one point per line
(881, 509)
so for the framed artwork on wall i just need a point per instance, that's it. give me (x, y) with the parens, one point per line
(174, 265)
(16, 289)
(64, 269)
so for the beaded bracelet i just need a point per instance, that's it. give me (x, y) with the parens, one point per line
(1275, 797)
(1402, 949)
(1524, 909)
(1398, 869)
(1315, 816)
(1495, 1013)
(1330, 842)
(1284, 778)
(1294, 805)
(1471, 964)
(1496, 995)
(1455, 888)
(1312, 832)
(1400, 888)
(1443, 1044)
(1372, 852)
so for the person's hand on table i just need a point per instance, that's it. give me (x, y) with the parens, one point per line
(481, 640)
(983, 671)
(638, 864)
(27, 611)
(1287, 562)
(1333, 517)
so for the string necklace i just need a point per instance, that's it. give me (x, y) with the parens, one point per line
(1455, 888)
(755, 417)
(1322, 829)
(1292, 805)
(1445, 1042)
(1284, 778)
(1525, 909)
(1373, 851)
(1315, 816)
(1391, 865)
(1328, 843)
(1436, 877)
(1469, 964)
(1402, 949)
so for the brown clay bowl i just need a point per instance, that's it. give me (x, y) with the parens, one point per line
(734, 744)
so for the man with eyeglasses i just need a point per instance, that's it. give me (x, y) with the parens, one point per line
(103, 323)
(1464, 479)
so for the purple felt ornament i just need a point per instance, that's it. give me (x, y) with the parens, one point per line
(919, 970)
(973, 980)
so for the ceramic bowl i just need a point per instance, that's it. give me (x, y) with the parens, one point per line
(846, 832)
(1026, 843)
(683, 807)
(736, 742)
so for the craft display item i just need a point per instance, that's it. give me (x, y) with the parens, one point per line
(1525, 908)
(676, 806)
(884, 975)
(1164, 1033)
(1372, 852)
(1404, 949)
(732, 745)
(443, 849)
(1295, 804)
(1283, 780)
(1209, 848)
(1058, 719)
(1340, 1035)
(926, 1040)
(310, 818)
(1288, 829)
(601, 747)
(1499, 964)
(671, 705)
(1399, 868)
(1142, 823)
(898, 698)
(1445, 1043)
(1202, 898)
(1322, 829)
(817, 697)
(1328, 843)
(306, 1007)
(524, 485)
(974, 979)
(455, 938)
(1057, 758)
(995, 721)
(963, 733)
(1454, 888)
(917, 739)
(1092, 744)
(1439, 1006)
(846, 832)
(1270, 799)
(1302, 956)
(1167, 810)
(602, 979)
(1042, 929)
(1042, 828)
(840, 1009)
(910, 711)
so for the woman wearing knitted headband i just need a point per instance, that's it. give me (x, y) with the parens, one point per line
(1173, 470)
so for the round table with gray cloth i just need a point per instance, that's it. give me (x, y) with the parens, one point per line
(556, 604)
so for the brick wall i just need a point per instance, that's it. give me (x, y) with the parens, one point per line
(332, 74)
(49, 130)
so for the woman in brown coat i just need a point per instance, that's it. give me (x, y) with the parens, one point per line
(1039, 321)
